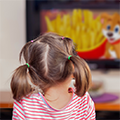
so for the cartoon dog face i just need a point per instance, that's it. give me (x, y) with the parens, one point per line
(111, 27)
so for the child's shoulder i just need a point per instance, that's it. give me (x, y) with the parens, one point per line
(30, 100)
(33, 96)
(84, 99)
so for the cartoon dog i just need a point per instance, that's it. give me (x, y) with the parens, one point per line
(111, 30)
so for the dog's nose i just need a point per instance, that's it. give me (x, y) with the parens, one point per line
(110, 34)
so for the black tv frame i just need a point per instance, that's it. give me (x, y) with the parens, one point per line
(33, 8)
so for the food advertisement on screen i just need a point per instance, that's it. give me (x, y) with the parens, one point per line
(96, 35)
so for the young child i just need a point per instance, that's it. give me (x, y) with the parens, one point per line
(41, 87)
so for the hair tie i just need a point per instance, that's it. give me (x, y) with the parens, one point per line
(69, 57)
(31, 40)
(62, 38)
(28, 65)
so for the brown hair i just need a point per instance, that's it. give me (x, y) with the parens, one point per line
(47, 56)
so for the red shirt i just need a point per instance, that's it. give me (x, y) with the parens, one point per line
(36, 108)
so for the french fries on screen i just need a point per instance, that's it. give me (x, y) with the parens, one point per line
(80, 26)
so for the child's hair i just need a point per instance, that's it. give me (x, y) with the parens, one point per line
(48, 64)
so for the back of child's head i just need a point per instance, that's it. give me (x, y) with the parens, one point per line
(47, 65)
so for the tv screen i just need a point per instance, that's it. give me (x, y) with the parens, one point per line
(85, 27)
(94, 28)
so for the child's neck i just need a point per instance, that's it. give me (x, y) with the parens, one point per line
(58, 96)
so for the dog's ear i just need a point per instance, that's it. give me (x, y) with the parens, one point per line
(119, 20)
(116, 18)
(115, 15)
(104, 16)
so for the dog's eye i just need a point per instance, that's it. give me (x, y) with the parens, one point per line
(108, 27)
(116, 29)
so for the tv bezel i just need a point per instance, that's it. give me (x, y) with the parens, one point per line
(33, 24)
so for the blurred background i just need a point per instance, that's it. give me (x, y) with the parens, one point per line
(81, 20)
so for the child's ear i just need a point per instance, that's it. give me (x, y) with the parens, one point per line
(72, 76)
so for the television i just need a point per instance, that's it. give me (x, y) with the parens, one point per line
(79, 20)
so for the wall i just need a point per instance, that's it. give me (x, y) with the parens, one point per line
(12, 38)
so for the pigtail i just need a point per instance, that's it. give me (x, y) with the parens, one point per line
(20, 83)
(38, 83)
(82, 75)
